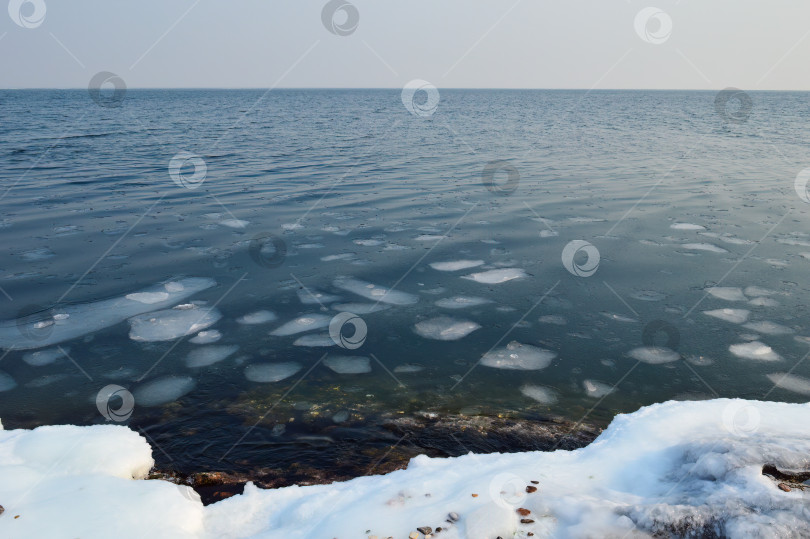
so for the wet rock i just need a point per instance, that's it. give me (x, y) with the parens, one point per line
(526, 521)
(523, 512)
(425, 530)
(531, 489)
(783, 487)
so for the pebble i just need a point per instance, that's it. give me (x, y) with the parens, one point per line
(413, 535)
(453, 516)
(425, 530)
(523, 512)
(526, 521)
(784, 487)
(2, 509)
(531, 489)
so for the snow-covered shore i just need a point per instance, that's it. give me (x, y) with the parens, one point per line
(670, 468)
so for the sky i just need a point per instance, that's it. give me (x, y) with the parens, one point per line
(591, 44)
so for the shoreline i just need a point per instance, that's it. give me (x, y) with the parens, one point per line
(430, 434)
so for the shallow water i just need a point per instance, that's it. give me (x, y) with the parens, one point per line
(318, 198)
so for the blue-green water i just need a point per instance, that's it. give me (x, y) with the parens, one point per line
(350, 184)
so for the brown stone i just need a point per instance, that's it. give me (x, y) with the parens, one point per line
(523, 512)
(526, 521)
(784, 487)
(531, 489)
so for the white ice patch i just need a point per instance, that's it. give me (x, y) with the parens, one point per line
(541, 394)
(596, 389)
(73, 321)
(208, 355)
(618, 317)
(348, 364)
(648, 295)
(554, 319)
(315, 297)
(686, 226)
(768, 328)
(710, 247)
(162, 390)
(790, 382)
(764, 302)
(444, 328)
(461, 302)
(754, 350)
(44, 357)
(517, 356)
(735, 316)
(171, 324)
(315, 340)
(206, 337)
(496, 276)
(307, 322)
(654, 355)
(456, 265)
(375, 292)
(360, 308)
(271, 372)
(728, 293)
(408, 368)
(234, 223)
(258, 317)
(755, 291)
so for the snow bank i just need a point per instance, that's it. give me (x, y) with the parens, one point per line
(676, 467)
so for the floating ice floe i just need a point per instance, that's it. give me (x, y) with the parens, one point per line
(754, 350)
(790, 382)
(171, 324)
(307, 322)
(271, 372)
(315, 340)
(163, 390)
(710, 247)
(444, 328)
(654, 355)
(348, 364)
(408, 368)
(257, 317)
(497, 276)
(517, 356)
(543, 395)
(764, 302)
(728, 293)
(45, 357)
(71, 321)
(554, 319)
(648, 295)
(456, 265)
(768, 328)
(596, 389)
(206, 337)
(208, 355)
(735, 316)
(371, 242)
(686, 226)
(618, 317)
(341, 256)
(461, 302)
(315, 297)
(360, 308)
(35, 255)
(234, 223)
(375, 292)
(6, 382)
(148, 298)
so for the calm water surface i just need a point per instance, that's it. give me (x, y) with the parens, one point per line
(351, 185)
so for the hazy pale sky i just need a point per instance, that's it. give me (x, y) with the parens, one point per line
(702, 44)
